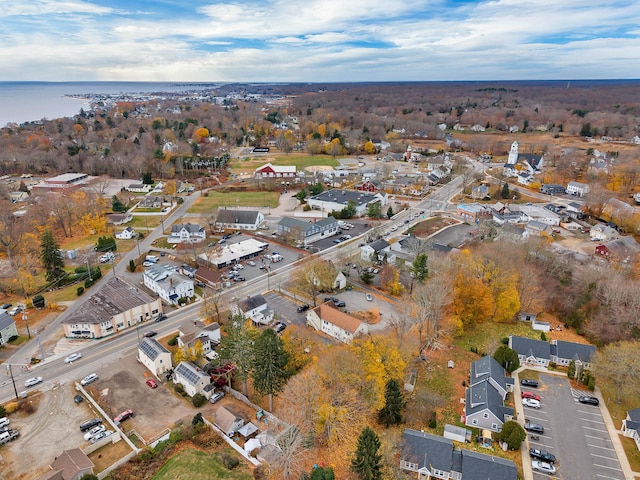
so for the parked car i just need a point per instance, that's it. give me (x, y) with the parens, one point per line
(152, 383)
(303, 308)
(532, 395)
(16, 310)
(33, 381)
(530, 402)
(251, 263)
(84, 426)
(147, 264)
(161, 317)
(238, 266)
(337, 302)
(201, 284)
(538, 466)
(73, 357)
(150, 334)
(526, 382)
(216, 396)
(542, 455)
(589, 400)
(101, 435)
(78, 398)
(533, 427)
(123, 416)
(238, 279)
(369, 297)
(89, 379)
(6, 306)
(280, 327)
(94, 431)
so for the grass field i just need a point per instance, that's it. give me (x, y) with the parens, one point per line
(210, 203)
(196, 465)
(300, 161)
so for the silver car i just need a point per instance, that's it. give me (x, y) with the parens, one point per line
(89, 379)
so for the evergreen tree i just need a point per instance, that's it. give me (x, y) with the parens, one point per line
(391, 413)
(117, 205)
(507, 357)
(571, 370)
(51, 256)
(389, 212)
(269, 362)
(236, 347)
(419, 268)
(367, 461)
(322, 473)
(504, 193)
(147, 179)
(374, 210)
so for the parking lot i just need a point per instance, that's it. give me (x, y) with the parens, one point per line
(575, 433)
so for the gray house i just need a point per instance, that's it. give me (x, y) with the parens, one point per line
(531, 352)
(307, 231)
(484, 399)
(563, 352)
(7, 328)
(239, 219)
(430, 456)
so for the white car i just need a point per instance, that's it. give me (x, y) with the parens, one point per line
(89, 379)
(16, 310)
(94, 431)
(544, 467)
(239, 266)
(394, 228)
(147, 263)
(369, 297)
(101, 435)
(33, 381)
(531, 402)
(251, 263)
(73, 357)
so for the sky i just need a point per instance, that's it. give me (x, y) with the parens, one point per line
(318, 40)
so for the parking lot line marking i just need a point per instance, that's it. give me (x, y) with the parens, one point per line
(594, 436)
(598, 446)
(590, 412)
(604, 466)
(611, 478)
(596, 429)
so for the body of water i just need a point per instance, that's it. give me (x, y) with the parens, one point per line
(32, 101)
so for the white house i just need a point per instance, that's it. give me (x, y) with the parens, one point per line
(187, 233)
(169, 285)
(603, 233)
(307, 231)
(195, 331)
(335, 323)
(256, 308)
(139, 188)
(228, 420)
(540, 214)
(239, 219)
(7, 328)
(376, 251)
(154, 356)
(578, 189)
(127, 234)
(335, 199)
(192, 378)
(631, 425)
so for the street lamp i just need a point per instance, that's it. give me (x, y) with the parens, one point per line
(25, 317)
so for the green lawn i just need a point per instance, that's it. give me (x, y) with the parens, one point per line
(300, 161)
(143, 222)
(486, 337)
(210, 203)
(196, 465)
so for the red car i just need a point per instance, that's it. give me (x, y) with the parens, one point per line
(526, 394)
(123, 416)
(152, 383)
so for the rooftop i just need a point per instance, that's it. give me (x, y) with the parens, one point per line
(345, 196)
(328, 312)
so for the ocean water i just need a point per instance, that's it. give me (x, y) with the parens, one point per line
(31, 101)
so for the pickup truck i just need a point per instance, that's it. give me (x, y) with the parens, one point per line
(8, 436)
(542, 455)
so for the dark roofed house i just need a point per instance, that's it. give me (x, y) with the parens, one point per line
(631, 426)
(430, 456)
(484, 404)
(376, 250)
(187, 233)
(227, 420)
(563, 352)
(239, 219)
(256, 308)
(307, 231)
(7, 328)
(192, 378)
(531, 352)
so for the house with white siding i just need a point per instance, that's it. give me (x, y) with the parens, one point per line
(167, 283)
(335, 323)
(192, 378)
(153, 355)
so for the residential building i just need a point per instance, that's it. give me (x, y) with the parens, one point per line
(552, 189)
(484, 398)
(255, 308)
(540, 214)
(227, 420)
(167, 283)
(430, 456)
(7, 328)
(187, 233)
(307, 231)
(127, 234)
(335, 323)
(631, 426)
(578, 189)
(480, 192)
(474, 212)
(191, 332)
(69, 465)
(119, 218)
(336, 200)
(531, 352)
(155, 201)
(376, 251)
(562, 353)
(534, 227)
(139, 188)
(230, 254)
(239, 219)
(275, 171)
(525, 178)
(603, 233)
(115, 307)
(192, 378)
(153, 355)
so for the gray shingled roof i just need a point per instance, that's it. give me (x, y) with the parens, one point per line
(250, 303)
(304, 225)
(529, 347)
(5, 320)
(379, 245)
(487, 367)
(245, 217)
(478, 466)
(345, 196)
(575, 351)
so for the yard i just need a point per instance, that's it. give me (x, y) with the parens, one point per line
(209, 204)
(195, 464)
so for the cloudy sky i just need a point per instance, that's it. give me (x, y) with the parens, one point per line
(318, 40)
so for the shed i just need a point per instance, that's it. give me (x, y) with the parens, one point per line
(458, 434)
(247, 430)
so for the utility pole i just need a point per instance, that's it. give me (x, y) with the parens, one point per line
(25, 317)
(39, 345)
(12, 380)
(89, 270)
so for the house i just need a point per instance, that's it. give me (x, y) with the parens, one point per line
(340, 281)
(187, 233)
(430, 456)
(227, 420)
(70, 465)
(139, 188)
(239, 219)
(213, 278)
(622, 249)
(192, 378)
(336, 200)
(538, 228)
(368, 186)
(480, 192)
(603, 233)
(473, 212)
(578, 189)
(119, 218)
(484, 398)
(562, 353)
(614, 208)
(154, 201)
(192, 332)
(153, 355)
(255, 308)
(531, 352)
(631, 425)
(168, 284)
(127, 234)
(230, 254)
(376, 251)
(552, 189)
(18, 197)
(335, 323)
(525, 178)
(306, 232)
(7, 328)
(574, 210)
(275, 171)
(115, 307)
(540, 214)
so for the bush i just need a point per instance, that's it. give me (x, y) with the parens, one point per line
(306, 207)
(3, 411)
(80, 270)
(197, 400)
(10, 408)
(25, 405)
(173, 341)
(38, 301)
(432, 420)
(513, 434)
(80, 291)
(88, 283)
(132, 266)
(197, 418)
(179, 389)
(229, 461)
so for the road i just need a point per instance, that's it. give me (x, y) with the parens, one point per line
(97, 354)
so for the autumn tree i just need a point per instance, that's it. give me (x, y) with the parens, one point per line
(193, 354)
(269, 365)
(391, 413)
(211, 303)
(367, 462)
(618, 366)
(390, 279)
(237, 347)
(334, 148)
(12, 230)
(51, 257)
(369, 147)
(314, 277)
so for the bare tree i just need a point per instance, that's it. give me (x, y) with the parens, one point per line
(290, 461)
(618, 365)
(430, 301)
